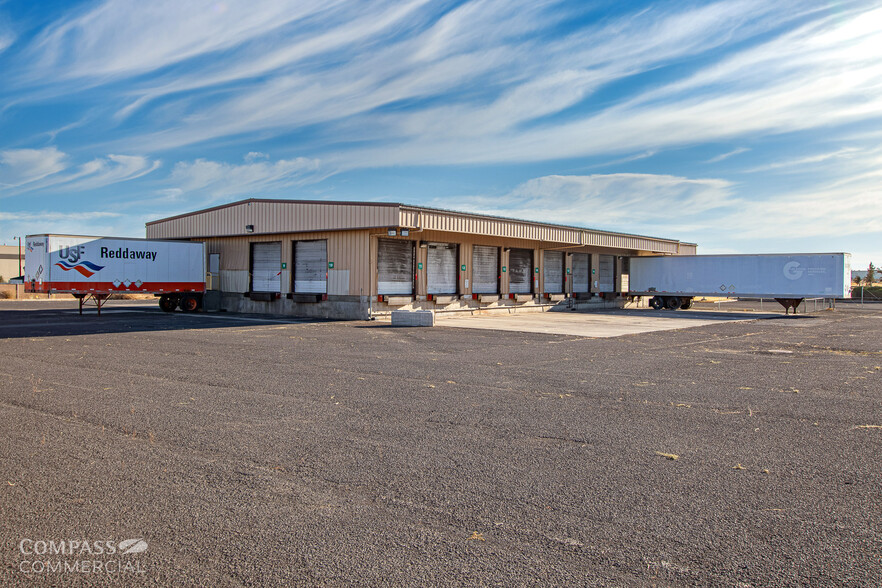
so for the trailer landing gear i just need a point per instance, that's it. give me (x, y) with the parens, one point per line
(97, 299)
(789, 303)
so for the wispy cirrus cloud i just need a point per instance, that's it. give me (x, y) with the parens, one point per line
(39, 169)
(7, 36)
(20, 167)
(415, 83)
(331, 30)
(127, 37)
(71, 222)
(51, 216)
(823, 74)
(797, 163)
(521, 81)
(695, 208)
(847, 201)
(605, 200)
(727, 155)
(109, 170)
(256, 177)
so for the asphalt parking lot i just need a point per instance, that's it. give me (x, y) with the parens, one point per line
(253, 451)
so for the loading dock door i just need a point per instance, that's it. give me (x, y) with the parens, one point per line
(394, 267)
(485, 269)
(520, 271)
(553, 272)
(605, 274)
(311, 266)
(441, 270)
(581, 272)
(266, 267)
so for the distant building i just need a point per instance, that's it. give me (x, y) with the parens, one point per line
(9, 261)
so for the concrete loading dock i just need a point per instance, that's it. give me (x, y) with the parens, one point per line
(357, 259)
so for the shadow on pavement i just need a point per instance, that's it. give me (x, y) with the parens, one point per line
(26, 319)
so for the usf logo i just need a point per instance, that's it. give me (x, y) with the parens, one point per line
(72, 254)
(71, 259)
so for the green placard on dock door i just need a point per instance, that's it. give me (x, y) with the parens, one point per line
(330, 265)
(462, 267)
(284, 265)
(503, 269)
(420, 265)
(537, 270)
(593, 271)
(568, 271)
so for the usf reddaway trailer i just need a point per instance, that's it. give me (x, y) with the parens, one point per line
(93, 268)
(673, 281)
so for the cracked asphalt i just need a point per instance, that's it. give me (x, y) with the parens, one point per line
(250, 451)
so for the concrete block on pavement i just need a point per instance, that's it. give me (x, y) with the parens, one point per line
(413, 318)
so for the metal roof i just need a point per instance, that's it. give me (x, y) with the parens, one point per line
(272, 216)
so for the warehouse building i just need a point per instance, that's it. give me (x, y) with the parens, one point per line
(358, 259)
(11, 261)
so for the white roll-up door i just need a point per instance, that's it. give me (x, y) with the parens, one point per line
(311, 266)
(266, 267)
(605, 274)
(441, 270)
(485, 269)
(520, 271)
(581, 272)
(553, 271)
(394, 267)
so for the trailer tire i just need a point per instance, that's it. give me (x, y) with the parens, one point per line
(657, 302)
(189, 303)
(685, 303)
(168, 303)
(672, 303)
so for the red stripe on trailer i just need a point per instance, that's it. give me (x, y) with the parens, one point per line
(107, 287)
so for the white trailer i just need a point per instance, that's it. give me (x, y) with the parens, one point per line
(673, 281)
(93, 268)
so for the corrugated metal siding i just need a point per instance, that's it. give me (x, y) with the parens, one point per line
(354, 249)
(289, 217)
(275, 217)
(466, 241)
(348, 250)
(433, 220)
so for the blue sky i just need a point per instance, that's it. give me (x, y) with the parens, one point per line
(742, 125)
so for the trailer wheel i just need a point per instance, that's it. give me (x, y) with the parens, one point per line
(189, 303)
(168, 303)
(672, 303)
(685, 304)
(657, 302)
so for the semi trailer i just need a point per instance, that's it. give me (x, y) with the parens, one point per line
(674, 281)
(94, 268)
